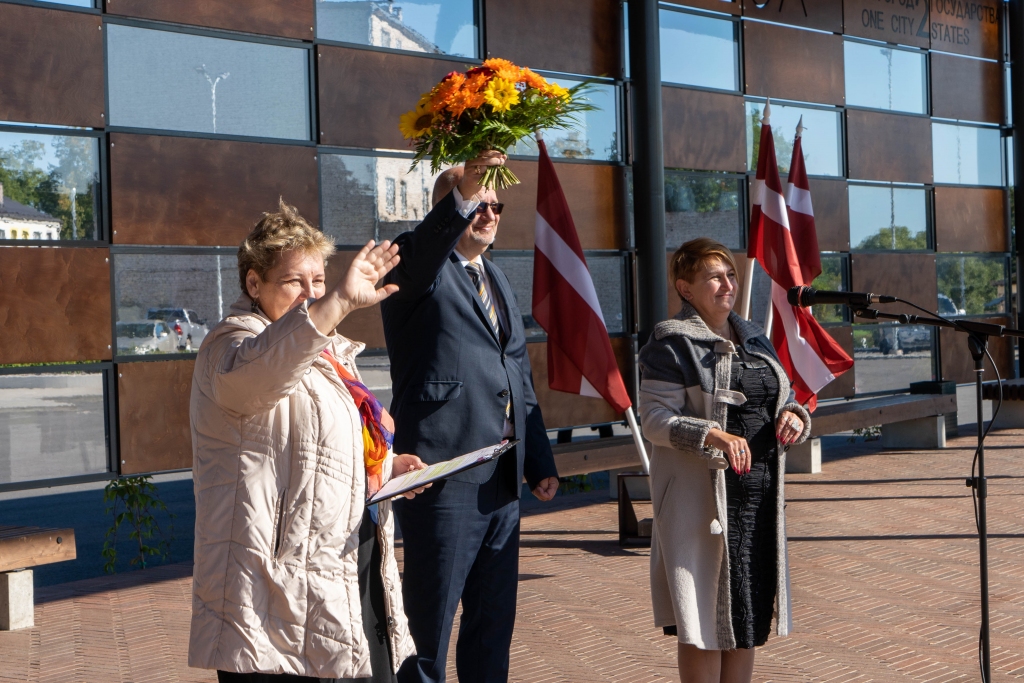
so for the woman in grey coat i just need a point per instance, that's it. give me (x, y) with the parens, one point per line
(717, 406)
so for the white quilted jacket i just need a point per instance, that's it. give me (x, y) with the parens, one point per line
(280, 485)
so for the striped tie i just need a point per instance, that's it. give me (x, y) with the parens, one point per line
(474, 273)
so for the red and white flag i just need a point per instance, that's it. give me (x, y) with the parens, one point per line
(565, 304)
(809, 355)
(801, 213)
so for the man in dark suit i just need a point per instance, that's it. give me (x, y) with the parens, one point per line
(461, 380)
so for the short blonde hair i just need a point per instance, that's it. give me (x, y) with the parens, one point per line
(697, 254)
(275, 233)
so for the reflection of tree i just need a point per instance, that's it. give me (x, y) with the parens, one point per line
(783, 147)
(975, 284)
(831, 279)
(66, 191)
(699, 194)
(896, 237)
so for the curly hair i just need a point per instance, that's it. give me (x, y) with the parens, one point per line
(275, 233)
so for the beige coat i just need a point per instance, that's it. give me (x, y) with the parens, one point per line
(684, 393)
(280, 485)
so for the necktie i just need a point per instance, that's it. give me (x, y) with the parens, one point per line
(474, 273)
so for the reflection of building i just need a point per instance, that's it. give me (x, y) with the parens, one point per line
(369, 23)
(21, 222)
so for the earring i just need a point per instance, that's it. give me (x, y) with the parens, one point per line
(255, 305)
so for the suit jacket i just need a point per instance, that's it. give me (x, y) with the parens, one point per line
(451, 377)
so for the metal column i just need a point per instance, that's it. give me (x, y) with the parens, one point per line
(649, 165)
(1016, 38)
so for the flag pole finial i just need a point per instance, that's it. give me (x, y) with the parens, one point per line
(800, 127)
(767, 113)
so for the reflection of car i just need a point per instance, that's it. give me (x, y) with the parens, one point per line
(186, 325)
(947, 307)
(145, 336)
(905, 339)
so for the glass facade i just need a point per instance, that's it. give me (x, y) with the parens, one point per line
(821, 137)
(167, 303)
(972, 284)
(833, 279)
(883, 77)
(372, 197)
(890, 357)
(177, 81)
(966, 155)
(703, 206)
(887, 217)
(52, 424)
(699, 50)
(433, 26)
(49, 187)
(607, 271)
(596, 135)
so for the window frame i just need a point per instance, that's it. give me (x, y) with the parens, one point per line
(1007, 280)
(736, 21)
(903, 48)
(743, 197)
(929, 215)
(840, 111)
(1002, 130)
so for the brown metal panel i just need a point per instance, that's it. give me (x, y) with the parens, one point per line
(967, 89)
(904, 22)
(734, 7)
(908, 276)
(52, 67)
(826, 15)
(792, 64)
(831, 214)
(153, 414)
(190, 191)
(842, 386)
(363, 93)
(704, 130)
(889, 147)
(957, 363)
(571, 36)
(54, 305)
(967, 28)
(289, 18)
(970, 219)
(364, 325)
(565, 410)
(596, 196)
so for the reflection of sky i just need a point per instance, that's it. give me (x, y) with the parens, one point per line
(872, 208)
(697, 50)
(820, 137)
(597, 127)
(73, 3)
(446, 23)
(867, 78)
(965, 155)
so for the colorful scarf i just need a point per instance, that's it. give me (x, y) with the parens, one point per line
(378, 427)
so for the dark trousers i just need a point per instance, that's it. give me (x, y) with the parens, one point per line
(461, 541)
(371, 592)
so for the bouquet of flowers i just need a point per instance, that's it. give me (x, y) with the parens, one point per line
(489, 107)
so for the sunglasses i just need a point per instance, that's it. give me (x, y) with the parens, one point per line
(496, 207)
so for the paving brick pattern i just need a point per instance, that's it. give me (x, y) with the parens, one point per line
(884, 575)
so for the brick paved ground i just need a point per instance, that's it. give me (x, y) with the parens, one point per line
(884, 589)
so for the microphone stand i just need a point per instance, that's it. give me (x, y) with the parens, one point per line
(978, 334)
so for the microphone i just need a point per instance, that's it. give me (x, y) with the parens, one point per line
(809, 296)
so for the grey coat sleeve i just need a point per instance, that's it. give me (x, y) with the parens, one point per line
(668, 416)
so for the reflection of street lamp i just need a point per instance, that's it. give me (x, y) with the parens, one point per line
(220, 292)
(213, 89)
(74, 218)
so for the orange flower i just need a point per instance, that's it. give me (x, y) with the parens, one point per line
(443, 92)
(533, 80)
(463, 100)
(503, 69)
(476, 82)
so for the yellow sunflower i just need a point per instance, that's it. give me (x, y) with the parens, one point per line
(501, 94)
(553, 90)
(416, 123)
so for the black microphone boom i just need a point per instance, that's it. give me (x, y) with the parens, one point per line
(809, 296)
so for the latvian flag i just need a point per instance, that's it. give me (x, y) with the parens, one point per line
(580, 357)
(783, 240)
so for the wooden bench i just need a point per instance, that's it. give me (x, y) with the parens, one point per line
(23, 547)
(907, 420)
(595, 455)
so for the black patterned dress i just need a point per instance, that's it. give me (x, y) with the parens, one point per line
(751, 500)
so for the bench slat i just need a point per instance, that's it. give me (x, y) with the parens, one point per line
(595, 455)
(34, 546)
(857, 414)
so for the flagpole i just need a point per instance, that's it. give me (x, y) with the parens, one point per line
(638, 440)
(748, 286)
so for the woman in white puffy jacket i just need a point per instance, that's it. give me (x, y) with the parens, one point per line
(295, 578)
